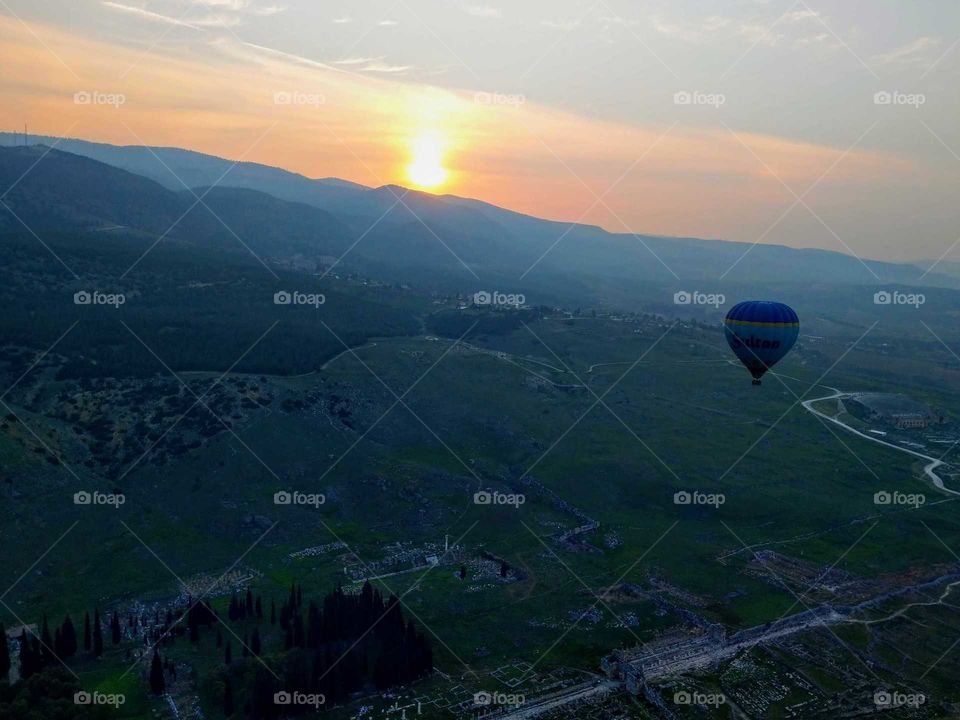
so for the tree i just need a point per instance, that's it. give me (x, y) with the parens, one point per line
(115, 628)
(228, 654)
(97, 634)
(68, 638)
(227, 698)
(46, 644)
(158, 683)
(273, 612)
(255, 642)
(87, 637)
(4, 655)
(29, 658)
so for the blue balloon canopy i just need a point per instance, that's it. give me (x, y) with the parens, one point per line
(761, 333)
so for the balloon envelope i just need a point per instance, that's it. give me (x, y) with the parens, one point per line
(761, 333)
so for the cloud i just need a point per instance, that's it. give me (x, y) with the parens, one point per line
(357, 61)
(149, 14)
(564, 25)
(387, 23)
(225, 4)
(913, 53)
(267, 10)
(342, 20)
(377, 67)
(483, 11)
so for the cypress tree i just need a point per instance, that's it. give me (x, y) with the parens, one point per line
(115, 628)
(227, 698)
(97, 634)
(4, 655)
(158, 683)
(28, 657)
(273, 612)
(259, 609)
(87, 637)
(68, 638)
(255, 642)
(46, 644)
(228, 654)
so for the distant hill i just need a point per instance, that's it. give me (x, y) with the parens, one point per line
(451, 242)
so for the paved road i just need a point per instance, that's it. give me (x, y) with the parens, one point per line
(931, 467)
(535, 708)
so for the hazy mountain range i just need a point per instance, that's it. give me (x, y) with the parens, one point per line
(286, 218)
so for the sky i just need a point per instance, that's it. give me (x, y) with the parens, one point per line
(810, 123)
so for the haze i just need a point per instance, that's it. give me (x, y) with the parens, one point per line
(569, 110)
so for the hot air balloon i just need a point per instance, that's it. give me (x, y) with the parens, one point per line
(761, 333)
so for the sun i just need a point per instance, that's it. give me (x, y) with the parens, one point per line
(426, 169)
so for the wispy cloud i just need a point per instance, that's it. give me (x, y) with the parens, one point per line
(916, 52)
(357, 60)
(149, 14)
(342, 20)
(564, 25)
(377, 67)
(387, 23)
(483, 11)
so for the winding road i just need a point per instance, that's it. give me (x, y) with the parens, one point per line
(931, 467)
